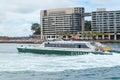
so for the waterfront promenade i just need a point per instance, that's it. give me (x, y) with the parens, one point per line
(16, 41)
(19, 40)
(34, 41)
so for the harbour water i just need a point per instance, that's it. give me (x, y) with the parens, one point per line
(27, 66)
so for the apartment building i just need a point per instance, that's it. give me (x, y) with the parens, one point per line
(56, 21)
(106, 21)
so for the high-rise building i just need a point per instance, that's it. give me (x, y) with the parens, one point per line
(106, 21)
(57, 21)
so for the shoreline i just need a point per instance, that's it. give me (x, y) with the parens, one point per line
(108, 41)
(21, 41)
(39, 42)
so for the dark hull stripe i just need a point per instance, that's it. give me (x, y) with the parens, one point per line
(40, 51)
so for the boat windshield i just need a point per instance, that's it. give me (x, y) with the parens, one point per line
(52, 39)
(96, 44)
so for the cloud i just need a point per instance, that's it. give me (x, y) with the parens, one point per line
(27, 6)
(106, 2)
(100, 1)
(18, 15)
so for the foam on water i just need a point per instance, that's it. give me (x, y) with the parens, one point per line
(37, 62)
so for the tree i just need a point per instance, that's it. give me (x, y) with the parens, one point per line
(84, 34)
(87, 25)
(36, 29)
(64, 33)
(91, 34)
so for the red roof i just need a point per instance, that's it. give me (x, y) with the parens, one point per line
(75, 37)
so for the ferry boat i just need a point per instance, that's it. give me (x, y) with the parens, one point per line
(61, 47)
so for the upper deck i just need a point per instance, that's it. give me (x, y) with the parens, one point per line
(67, 44)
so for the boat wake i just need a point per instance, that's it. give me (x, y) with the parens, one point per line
(37, 62)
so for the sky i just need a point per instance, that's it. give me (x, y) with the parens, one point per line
(17, 16)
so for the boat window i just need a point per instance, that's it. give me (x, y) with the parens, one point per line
(82, 46)
(92, 43)
(66, 45)
(95, 44)
(79, 46)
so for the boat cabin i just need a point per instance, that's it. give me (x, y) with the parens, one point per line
(66, 45)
